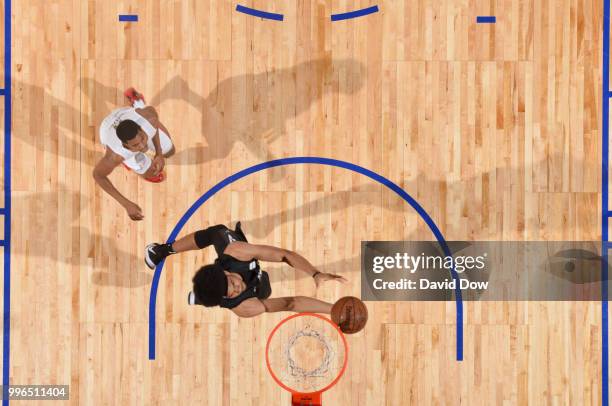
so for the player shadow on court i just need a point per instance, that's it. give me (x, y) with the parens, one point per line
(67, 131)
(351, 269)
(254, 109)
(226, 118)
(580, 271)
(374, 194)
(263, 226)
(100, 249)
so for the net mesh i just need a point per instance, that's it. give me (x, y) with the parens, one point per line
(306, 354)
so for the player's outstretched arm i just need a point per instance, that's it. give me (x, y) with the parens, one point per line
(245, 251)
(100, 173)
(298, 304)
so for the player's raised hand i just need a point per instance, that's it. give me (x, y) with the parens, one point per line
(323, 277)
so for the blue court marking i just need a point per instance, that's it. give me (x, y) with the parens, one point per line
(354, 14)
(605, 156)
(259, 13)
(486, 20)
(6, 319)
(305, 160)
(128, 17)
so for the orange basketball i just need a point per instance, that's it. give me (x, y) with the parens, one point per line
(350, 314)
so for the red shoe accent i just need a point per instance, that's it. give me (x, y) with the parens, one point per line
(160, 177)
(133, 95)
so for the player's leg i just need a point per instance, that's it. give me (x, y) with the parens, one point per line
(165, 143)
(215, 235)
(170, 152)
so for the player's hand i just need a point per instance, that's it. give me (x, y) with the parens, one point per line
(134, 211)
(158, 163)
(322, 277)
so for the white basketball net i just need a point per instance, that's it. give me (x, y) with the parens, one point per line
(323, 368)
(307, 354)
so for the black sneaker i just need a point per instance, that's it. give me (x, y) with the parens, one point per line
(155, 253)
(192, 299)
(239, 231)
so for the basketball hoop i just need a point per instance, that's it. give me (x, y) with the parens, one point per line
(306, 354)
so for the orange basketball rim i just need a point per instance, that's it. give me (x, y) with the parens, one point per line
(306, 398)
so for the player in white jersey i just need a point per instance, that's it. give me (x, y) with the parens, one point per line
(128, 133)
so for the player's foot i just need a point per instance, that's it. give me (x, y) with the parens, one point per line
(155, 253)
(160, 177)
(133, 96)
(239, 231)
(192, 300)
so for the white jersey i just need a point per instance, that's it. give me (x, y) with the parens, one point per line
(108, 133)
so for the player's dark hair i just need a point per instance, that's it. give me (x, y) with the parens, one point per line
(126, 130)
(210, 285)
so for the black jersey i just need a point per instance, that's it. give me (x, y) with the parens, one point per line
(257, 281)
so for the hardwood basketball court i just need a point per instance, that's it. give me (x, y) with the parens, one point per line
(495, 129)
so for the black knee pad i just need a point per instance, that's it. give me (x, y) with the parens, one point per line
(212, 235)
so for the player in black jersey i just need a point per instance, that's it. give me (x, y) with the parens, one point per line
(235, 280)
